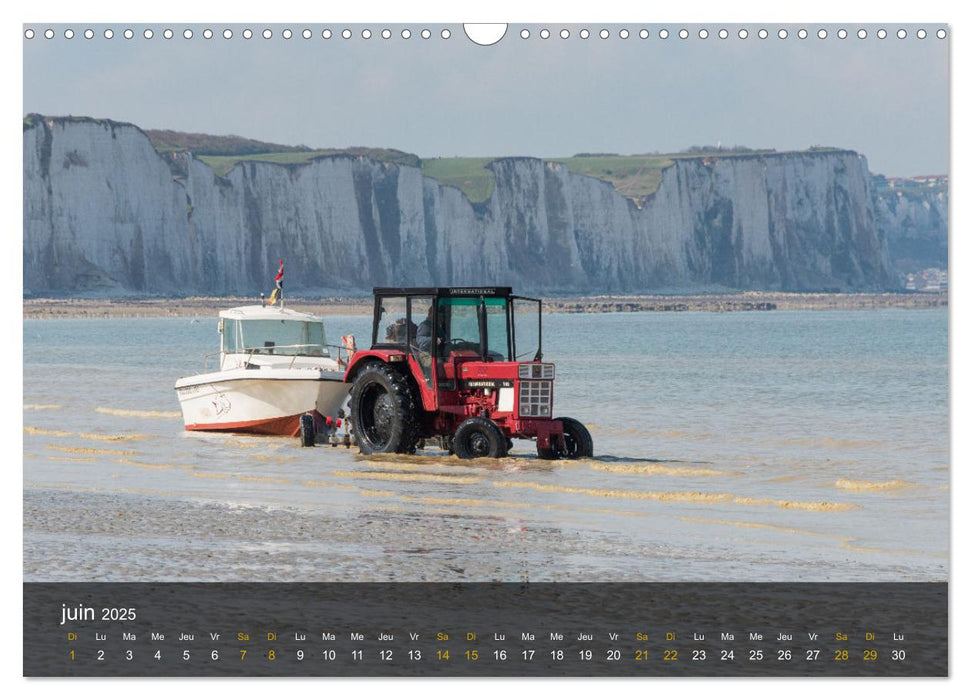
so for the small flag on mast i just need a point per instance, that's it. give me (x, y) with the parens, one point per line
(278, 292)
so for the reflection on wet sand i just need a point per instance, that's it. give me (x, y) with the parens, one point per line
(759, 526)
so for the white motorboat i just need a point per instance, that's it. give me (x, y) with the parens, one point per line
(274, 367)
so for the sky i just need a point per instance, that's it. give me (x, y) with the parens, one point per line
(885, 98)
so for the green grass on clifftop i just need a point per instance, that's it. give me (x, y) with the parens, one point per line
(223, 164)
(634, 177)
(468, 174)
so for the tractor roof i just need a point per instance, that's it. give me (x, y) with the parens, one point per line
(443, 291)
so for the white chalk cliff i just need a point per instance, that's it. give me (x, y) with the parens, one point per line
(105, 213)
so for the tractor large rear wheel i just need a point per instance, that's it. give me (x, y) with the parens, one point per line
(479, 437)
(383, 411)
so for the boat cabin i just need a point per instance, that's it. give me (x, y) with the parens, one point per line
(253, 337)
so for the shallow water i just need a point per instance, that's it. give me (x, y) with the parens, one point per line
(776, 446)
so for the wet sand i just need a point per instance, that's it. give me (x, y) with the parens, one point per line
(351, 306)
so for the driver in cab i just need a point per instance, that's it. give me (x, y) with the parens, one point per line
(425, 336)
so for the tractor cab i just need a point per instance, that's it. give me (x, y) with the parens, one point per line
(463, 356)
(442, 328)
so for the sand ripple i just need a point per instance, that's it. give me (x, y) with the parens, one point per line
(681, 496)
(32, 430)
(433, 478)
(658, 470)
(894, 485)
(693, 496)
(112, 438)
(150, 465)
(91, 450)
(136, 413)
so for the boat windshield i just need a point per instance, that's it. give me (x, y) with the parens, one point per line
(272, 337)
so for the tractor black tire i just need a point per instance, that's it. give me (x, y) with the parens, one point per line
(550, 452)
(577, 438)
(446, 442)
(479, 437)
(308, 430)
(384, 412)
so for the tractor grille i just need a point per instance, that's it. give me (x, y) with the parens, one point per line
(535, 399)
(535, 370)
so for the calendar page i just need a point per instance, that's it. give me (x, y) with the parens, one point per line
(470, 350)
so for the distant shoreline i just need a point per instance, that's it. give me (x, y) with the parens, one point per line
(353, 306)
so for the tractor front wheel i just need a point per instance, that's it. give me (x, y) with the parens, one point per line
(479, 437)
(577, 441)
(383, 411)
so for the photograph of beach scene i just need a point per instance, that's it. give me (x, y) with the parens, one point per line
(739, 237)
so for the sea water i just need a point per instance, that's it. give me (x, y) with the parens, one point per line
(750, 446)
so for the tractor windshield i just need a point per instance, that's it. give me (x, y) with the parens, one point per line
(465, 322)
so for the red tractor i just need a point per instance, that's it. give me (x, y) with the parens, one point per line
(445, 364)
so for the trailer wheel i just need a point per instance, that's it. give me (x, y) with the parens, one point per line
(308, 431)
(479, 437)
(577, 439)
(383, 411)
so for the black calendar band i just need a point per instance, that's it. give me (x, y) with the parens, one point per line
(483, 629)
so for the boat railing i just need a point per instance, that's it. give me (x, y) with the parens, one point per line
(208, 356)
(338, 352)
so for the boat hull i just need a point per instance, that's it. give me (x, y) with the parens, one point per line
(287, 425)
(266, 405)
